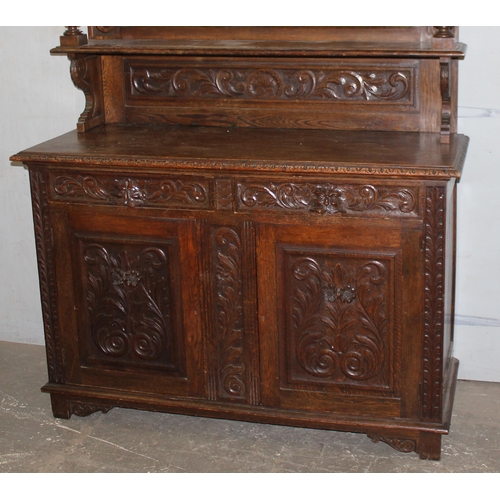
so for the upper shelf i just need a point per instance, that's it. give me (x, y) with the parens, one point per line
(419, 41)
(388, 78)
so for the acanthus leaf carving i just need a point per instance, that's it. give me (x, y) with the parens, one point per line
(338, 317)
(329, 199)
(229, 311)
(131, 192)
(370, 84)
(128, 303)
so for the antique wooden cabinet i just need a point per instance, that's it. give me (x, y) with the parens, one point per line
(256, 224)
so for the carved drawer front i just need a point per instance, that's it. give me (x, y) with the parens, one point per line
(170, 191)
(133, 303)
(333, 318)
(328, 198)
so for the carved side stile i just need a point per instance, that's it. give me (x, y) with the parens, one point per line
(434, 304)
(46, 271)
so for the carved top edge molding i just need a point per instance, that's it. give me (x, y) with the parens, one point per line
(238, 166)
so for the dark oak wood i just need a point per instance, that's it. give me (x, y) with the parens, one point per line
(256, 224)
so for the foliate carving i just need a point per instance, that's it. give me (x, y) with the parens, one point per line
(434, 303)
(229, 311)
(338, 317)
(44, 249)
(131, 192)
(328, 199)
(273, 83)
(128, 302)
(86, 409)
(400, 444)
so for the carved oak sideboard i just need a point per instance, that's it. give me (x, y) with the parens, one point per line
(256, 224)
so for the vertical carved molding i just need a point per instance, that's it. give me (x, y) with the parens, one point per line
(251, 330)
(445, 65)
(434, 304)
(224, 194)
(44, 249)
(234, 345)
(229, 313)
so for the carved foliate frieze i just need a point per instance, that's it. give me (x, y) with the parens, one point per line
(328, 198)
(131, 191)
(434, 303)
(338, 319)
(356, 84)
(129, 306)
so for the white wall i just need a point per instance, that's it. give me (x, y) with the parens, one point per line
(38, 101)
(477, 341)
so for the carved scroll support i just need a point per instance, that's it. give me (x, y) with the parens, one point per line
(73, 37)
(86, 75)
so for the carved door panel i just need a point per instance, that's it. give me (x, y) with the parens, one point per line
(129, 302)
(337, 317)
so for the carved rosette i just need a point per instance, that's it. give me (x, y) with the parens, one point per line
(131, 192)
(338, 318)
(328, 199)
(434, 304)
(370, 84)
(128, 304)
(229, 312)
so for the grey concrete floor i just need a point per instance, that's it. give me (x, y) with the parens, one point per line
(32, 440)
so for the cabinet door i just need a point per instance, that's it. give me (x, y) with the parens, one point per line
(128, 302)
(339, 315)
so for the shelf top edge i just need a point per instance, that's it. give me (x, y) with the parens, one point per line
(261, 48)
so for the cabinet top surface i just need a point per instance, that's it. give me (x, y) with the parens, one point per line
(246, 149)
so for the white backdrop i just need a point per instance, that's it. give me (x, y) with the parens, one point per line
(38, 101)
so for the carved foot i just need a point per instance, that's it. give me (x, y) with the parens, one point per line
(64, 408)
(426, 444)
